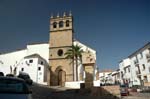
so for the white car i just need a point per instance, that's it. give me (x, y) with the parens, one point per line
(14, 88)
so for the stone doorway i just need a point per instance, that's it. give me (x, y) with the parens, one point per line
(61, 78)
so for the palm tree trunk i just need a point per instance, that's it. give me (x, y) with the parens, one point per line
(76, 68)
(73, 69)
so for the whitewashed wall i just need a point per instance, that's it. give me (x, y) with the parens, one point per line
(86, 48)
(11, 59)
(41, 49)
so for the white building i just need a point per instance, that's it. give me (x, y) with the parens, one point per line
(115, 77)
(32, 60)
(135, 70)
(140, 63)
(36, 67)
(104, 76)
(125, 72)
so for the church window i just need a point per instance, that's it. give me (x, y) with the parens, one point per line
(60, 52)
(61, 24)
(55, 25)
(67, 23)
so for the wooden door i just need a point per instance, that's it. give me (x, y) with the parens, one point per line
(61, 78)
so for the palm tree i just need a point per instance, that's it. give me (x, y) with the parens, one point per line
(75, 53)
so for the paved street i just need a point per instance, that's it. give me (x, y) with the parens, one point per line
(138, 96)
(46, 92)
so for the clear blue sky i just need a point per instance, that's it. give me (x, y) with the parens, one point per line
(114, 28)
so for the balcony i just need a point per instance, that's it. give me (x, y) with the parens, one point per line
(136, 63)
(138, 73)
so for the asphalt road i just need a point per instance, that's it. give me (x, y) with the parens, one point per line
(138, 96)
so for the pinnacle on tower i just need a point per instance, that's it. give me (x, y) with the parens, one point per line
(57, 15)
(52, 16)
(70, 14)
(64, 14)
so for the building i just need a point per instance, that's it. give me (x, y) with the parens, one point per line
(115, 77)
(140, 64)
(61, 39)
(32, 60)
(36, 67)
(125, 72)
(104, 76)
(135, 70)
(59, 71)
(27, 60)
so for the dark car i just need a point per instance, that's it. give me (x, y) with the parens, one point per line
(14, 88)
(1, 74)
(124, 90)
(26, 77)
(10, 75)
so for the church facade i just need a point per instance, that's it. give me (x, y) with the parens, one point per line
(61, 39)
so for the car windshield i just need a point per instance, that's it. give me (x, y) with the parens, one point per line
(11, 86)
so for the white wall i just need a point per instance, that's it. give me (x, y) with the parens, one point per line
(75, 85)
(41, 49)
(86, 48)
(11, 59)
(32, 69)
(16, 59)
(142, 60)
(125, 65)
(29, 68)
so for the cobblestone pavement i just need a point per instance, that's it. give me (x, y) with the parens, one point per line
(46, 92)
(137, 96)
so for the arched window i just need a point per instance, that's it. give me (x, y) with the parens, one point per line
(67, 23)
(61, 24)
(55, 25)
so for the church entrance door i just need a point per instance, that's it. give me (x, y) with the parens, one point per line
(61, 78)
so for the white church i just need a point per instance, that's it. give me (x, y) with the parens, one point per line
(33, 60)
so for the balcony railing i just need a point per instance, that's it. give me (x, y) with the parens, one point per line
(136, 62)
(137, 73)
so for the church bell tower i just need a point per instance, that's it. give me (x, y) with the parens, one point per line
(60, 40)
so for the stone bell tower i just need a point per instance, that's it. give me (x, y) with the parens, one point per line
(61, 39)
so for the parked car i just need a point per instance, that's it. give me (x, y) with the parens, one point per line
(10, 75)
(26, 77)
(124, 90)
(1, 74)
(14, 88)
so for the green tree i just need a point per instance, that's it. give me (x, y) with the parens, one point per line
(75, 53)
